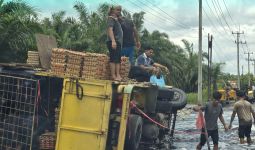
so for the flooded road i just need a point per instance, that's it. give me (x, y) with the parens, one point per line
(187, 136)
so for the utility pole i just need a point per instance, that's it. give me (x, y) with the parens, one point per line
(209, 65)
(242, 69)
(253, 66)
(200, 85)
(200, 100)
(249, 77)
(237, 43)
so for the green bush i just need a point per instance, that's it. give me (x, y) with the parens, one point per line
(192, 97)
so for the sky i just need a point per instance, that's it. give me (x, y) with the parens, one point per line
(179, 19)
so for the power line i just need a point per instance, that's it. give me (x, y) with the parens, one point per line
(216, 44)
(152, 23)
(177, 21)
(215, 26)
(222, 14)
(214, 14)
(218, 16)
(218, 33)
(229, 14)
(162, 20)
(218, 47)
(160, 15)
(216, 30)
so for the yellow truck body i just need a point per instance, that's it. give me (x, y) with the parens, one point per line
(83, 123)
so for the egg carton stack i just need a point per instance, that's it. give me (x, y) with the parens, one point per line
(47, 141)
(96, 66)
(33, 58)
(124, 67)
(58, 61)
(84, 65)
(75, 62)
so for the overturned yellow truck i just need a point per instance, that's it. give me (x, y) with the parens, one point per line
(43, 111)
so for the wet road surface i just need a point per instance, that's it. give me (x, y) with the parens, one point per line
(187, 136)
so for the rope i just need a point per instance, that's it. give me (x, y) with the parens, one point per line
(133, 105)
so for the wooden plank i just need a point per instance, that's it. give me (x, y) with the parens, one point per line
(45, 43)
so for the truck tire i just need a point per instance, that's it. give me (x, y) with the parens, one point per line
(177, 100)
(180, 99)
(165, 93)
(134, 132)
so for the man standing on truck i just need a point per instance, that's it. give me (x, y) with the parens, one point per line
(213, 111)
(130, 39)
(114, 41)
(145, 66)
(244, 110)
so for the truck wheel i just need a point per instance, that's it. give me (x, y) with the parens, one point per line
(171, 100)
(134, 132)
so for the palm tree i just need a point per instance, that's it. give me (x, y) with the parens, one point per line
(190, 73)
(216, 72)
(18, 23)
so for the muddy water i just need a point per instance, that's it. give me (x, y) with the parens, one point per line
(187, 136)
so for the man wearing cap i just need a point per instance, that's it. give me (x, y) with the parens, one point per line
(244, 110)
(213, 111)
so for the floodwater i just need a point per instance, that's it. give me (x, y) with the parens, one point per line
(187, 136)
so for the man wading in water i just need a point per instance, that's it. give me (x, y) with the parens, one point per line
(243, 109)
(213, 111)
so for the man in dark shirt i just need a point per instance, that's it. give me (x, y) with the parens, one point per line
(130, 39)
(213, 111)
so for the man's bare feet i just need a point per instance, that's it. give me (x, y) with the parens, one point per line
(118, 78)
(113, 77)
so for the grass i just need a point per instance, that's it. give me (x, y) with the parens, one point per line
(192, 97)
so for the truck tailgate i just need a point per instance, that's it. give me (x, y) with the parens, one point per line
(83, 123)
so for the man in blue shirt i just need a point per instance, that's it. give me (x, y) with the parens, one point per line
(145, 66)
(146, 62)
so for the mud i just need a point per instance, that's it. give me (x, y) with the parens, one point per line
(187, 136)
